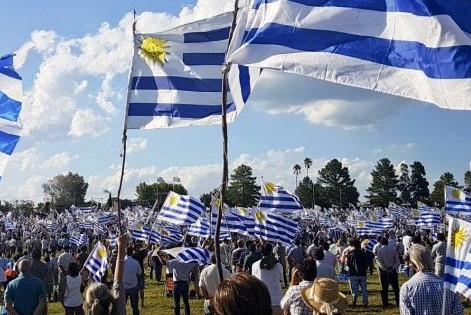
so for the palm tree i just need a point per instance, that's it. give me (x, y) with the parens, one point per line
(296, 171)
(307, 164)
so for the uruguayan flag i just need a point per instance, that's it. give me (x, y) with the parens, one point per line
(201, 229)
(274, 227)
(426, 218)
(11, 97)
(106, 218)
(97, 262)
(457, 201)
(79, 239)
(140, 233)
(276, 198)
(86, 225)
(176, 78)
(180, 209)
(398, 211)
(369, 244)
(190, 254)
(416, 49)
(168, 235)
(423, 207)
(458, 257)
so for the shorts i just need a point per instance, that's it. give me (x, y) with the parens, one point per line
(140, 281)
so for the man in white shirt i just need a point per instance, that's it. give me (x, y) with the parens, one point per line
(131, 271)
(324, 270)
(329, 258)
(209, 281)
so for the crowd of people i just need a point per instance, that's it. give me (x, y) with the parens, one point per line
(260, 277)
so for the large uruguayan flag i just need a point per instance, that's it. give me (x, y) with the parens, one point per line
(140, 232)
(276, 198)
(457, 201)
(274, 227)
(417, 49)
(458, 257)
(97, 262)
(11, 97)
(426, 218)
(180, 209)
(176, 78)
(106, 218)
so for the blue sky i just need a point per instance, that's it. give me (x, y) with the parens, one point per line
(75, 84)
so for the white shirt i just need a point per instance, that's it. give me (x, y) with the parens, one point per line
(131, 270)
(272, 279)
(330, 259)
(209, 278)
(406, 240)
(73, 296)
(64, 260)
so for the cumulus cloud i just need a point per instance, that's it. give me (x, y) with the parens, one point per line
(86, 122)
(324, 103)
(59, 161)
(32, 160)
(136, 144)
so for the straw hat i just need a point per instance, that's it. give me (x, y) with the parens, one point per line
(324, 297)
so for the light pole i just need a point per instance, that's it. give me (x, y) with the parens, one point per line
(160, 180)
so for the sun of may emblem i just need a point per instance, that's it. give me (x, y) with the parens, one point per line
(270, 188)
(173, 200)
(259, 216)
(360, 224)
(101, 253)
(456, 193)
(458, 237)
(242, 211)
(415, 213)
(153, 49)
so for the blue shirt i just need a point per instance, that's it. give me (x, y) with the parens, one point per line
(131, 270)
(24, 292)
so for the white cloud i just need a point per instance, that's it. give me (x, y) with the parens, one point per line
(401, 147)
(80, 87)
(86, 122)
(136, 144)
(59, 161)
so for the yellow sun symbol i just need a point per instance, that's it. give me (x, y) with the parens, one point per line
(242, 211)
(458, 237)
(173, 200)
(217, 202)
(415, 213)
(270, 188)
(259, 216)
(101, 252)
(456, 193)
(165, 232)
(374, 218)
(360, 224)
(153, 49)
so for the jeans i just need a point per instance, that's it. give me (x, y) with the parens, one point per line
(133, 295)
(389, 278)
(355, 283)
(158, 272)
(181, 288)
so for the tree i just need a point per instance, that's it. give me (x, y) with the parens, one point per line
(419, 184)
(243, 190)
(437, 197)
(307, 165)
(150, 192)
(66, 190)
(337, 185)
(383, 187)
(467, 181)
(310, 193)
(404, 185)
(206, 198)
(296, 171)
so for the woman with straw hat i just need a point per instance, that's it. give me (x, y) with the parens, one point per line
(324, 297)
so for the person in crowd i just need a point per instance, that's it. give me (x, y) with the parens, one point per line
(98, 299)
(242, 294)
(279, 251)
(388, 261)
(49, 283)
(140, 255)
(270, 272)
(439, 254)
(157, 265)
(63, 262)
(295, 256)
(423, 292)
(236, 253)
(181, 281)
(324, 297)
(357, 263)
(132, 270)
(252, 257)
(329, 258)
(292, 301)
(208, 283)
(72, 295)
(226, 250)
(39, 269)
(324, 270)
(25, 294)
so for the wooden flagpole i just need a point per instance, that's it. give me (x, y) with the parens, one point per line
(225, 167)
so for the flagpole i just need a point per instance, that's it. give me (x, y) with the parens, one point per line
(125, 137)
(225, 167)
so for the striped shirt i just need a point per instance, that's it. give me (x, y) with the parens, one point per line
(293, 302)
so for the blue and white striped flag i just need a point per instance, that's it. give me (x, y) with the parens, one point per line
(176, 78)
(201, 229)
(86, 225)
(11, 98)
(369, 244)
(274, 227)
(140, 233)
(168, 235)
(190, 254)
(458, 257)
(79, 239)
(276, 198)
(106, 218)
(97, 262)
(53, 226)
(457, 201)
(113, 240)
(426, 218)
(180, 209)
(386, 46)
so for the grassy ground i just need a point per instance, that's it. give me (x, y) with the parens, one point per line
(157, 303)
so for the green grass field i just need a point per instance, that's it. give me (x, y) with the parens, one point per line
(157, 303)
